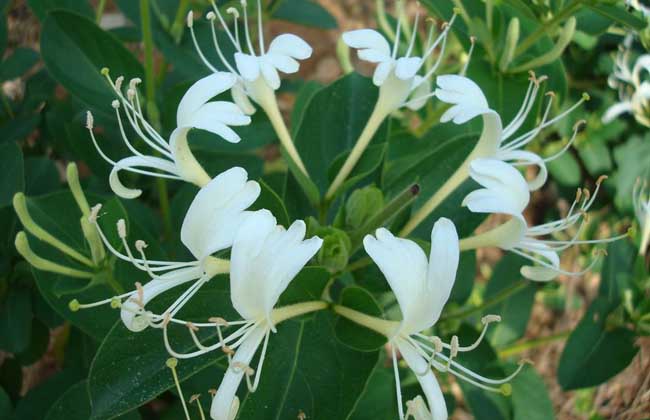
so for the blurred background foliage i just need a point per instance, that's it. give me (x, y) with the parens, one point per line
(587, 336)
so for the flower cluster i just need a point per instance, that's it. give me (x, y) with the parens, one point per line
(264, 257)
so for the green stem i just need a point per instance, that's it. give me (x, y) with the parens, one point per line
(498, 298)
(359, 264)
(521, 346)
(100, 11)
(178, 26)
(547, 27)
(382, 326)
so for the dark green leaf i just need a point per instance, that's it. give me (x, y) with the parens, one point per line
(18, 63)
(305, 12)
(271, 201)
(42, 7)
(16, 320)
(37, 402)
(75, 50)
(616, 274)
(5, 405)
(13, 177)
(38, 343)
(530, 399)
(352, 334)
(75, 405)
(19, 128)
(618, 15)
(41, 176)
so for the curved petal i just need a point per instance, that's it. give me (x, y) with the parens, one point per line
(290, 45)
(372, 56)
(186, 164)
(443, 264)
(284, 63)
(225, 403)
(616, 110)
(547, 255)
(420, 93)
(132, 162)
(206, 120)
(270, 74)
(368, 39)
(382, 72)
(404, 265)
(506, 190)
(242, 100)
(130, 311)
(217, 211)
(516, 157)
(200, 93)
(428, 382)
(222, 111)
(454, 89)
(407, 68)
(248, 66)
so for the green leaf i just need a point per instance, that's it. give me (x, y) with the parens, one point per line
(323, 136)
(617, 272)
(38, 343)
(271, 201)
(351, 333)
(618, 15)
(5, 405)
(11, 378)
(37, 402)
(632, 160)
(565, 170)
(19, 128)
(75, 405)
(308, 285)
(41, 176)
(516, 310)
(464, 277)
(305, 12)
(369, 162)
(42, 7)
(594, 353)
(18, 63)
(13, 177)
(75, 50)
(16, 320)
(530, 399)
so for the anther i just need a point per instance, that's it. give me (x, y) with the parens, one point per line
(121, 228)
(472, 39)
(74, 305)
(115, 104)
(191, 326)
(190, 19)
(585, 96)
(211, 16)
(94, 213)
(234, 12)
(171, 363)
(550, 94)
(90, 121)
(118, 83)
(579, 124)
(140, 299)
(130, 93)
(506, 390)
(487, 319)
(212, 391)
(227, 350)
(437, 344)
(140, 245)
(116, 303)
(133, 83)
(601, 179)
(194, 397)
(453, 352)
(218, 321)
(105, 71)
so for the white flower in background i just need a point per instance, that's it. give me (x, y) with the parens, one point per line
(257, 72)
(641, 200)
(497, 142)
(637, 5)
(397, 77)
(210, 226)
(537, 243)
(422, 288)
(177, 160)
(265, 258)
(633, 92)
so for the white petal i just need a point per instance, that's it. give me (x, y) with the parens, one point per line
(407, 68)
(546, 254)
(201, 92)
(421, 89)
(367, 39)
(240, 97)
(224, 112)
(404, 265)
(506, 190)
(428, 382)
(148, 162)
(529, 159)
(137, 322)
(217, 211)
(443, 263)
(222, 403)
(270, 74)
(382, 72)
(457, 89)
(373, 56)
(616, 110)
(186, 164)
(284, 63)
(248, 66)
(290, 45)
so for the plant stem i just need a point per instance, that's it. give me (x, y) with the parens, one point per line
(100, 11)
(178, 26)
(498, 298)
(546, 27)
(522, 346)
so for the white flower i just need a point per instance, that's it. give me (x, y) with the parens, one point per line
(422, 288)
(210, 225)
(633, 92)
(265, 258)
(496, 142)
(637, 5)
(398, 79)
(256, 71)
(641, 201)
(177, 160)
(531, 242)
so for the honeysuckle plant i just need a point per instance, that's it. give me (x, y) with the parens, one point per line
(311, 265)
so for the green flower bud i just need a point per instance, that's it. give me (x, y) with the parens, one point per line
(362, 205)
(335, 251)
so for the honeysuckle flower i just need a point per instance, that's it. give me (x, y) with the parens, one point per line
(638, 6)
(176, 160)
(531, 242)
(641, 201)
(210, 226)
(422, 288)
(496, 142)
(257, 72)
(633, 91)
(398, 80)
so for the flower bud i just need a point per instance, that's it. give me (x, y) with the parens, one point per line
(362, 205)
